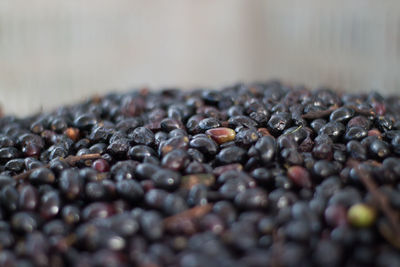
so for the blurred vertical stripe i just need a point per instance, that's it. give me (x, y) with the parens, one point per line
(54, 52)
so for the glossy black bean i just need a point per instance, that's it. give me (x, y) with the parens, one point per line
(379, 148)
(119, 148)
(155, 198)
(176, 160)
(9, 197)
(384, 123)
(246, 137)
(8, 153)
(24, 222)
(195, 155)
(85, 121)
(174, 204)
(100, 134)
(279, 122)
(231, 155)
(241, 120)
(71, 214)
(209, 123)
(177, 142)
(97, 210)
(252, 199)
(140, 152)
(333, 129)
(55, 227)
(204, 144)
(341, 114)
(232, 187)
(6, 141)
(317, 124)
(324, 168)
(95, 191)
(169, 124)
(7, 180)
(266, 147)
(359, 121)
(129, 190)
(50, 205)
(142, 136)
(292, 156)
(151, 225)
(28, 198)
(323, 151)
(32, 163)
(166, 179)
(71, 184)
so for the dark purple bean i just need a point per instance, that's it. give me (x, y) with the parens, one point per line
(9, 197)
(177, 142)
(71, 184)
(205, 145)
(97, 210)
(42, 176)
(379, 148)
(7, 180)
(333, 129)
(71, 214)
(174, 204)
(279, 122)
(166, 179)
(253, 198)
(241, 120)
(356, 150)
(85, 121)
(8, 153)
(129, 190)
(359, 121)
(151, 225)
(231, 154)
(266, 147)
(170, 124)
(341, 114)
(140, 152)
(175, 160)
(24, 222)
(50, 205)
(209, 123)
(142, 136)
(28, 198)
(355, 133)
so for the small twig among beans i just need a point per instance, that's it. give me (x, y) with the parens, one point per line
(381, 201)
(190, 214)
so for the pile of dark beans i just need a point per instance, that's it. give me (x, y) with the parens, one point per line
(251, 175)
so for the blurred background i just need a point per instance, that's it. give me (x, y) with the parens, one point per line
(58, 52)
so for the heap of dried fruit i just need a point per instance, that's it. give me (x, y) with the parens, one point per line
(251, 175)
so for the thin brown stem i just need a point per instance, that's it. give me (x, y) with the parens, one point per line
(277, 249)
(190, 214)
(380, 199)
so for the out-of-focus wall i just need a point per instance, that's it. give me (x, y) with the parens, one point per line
(54, 52)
